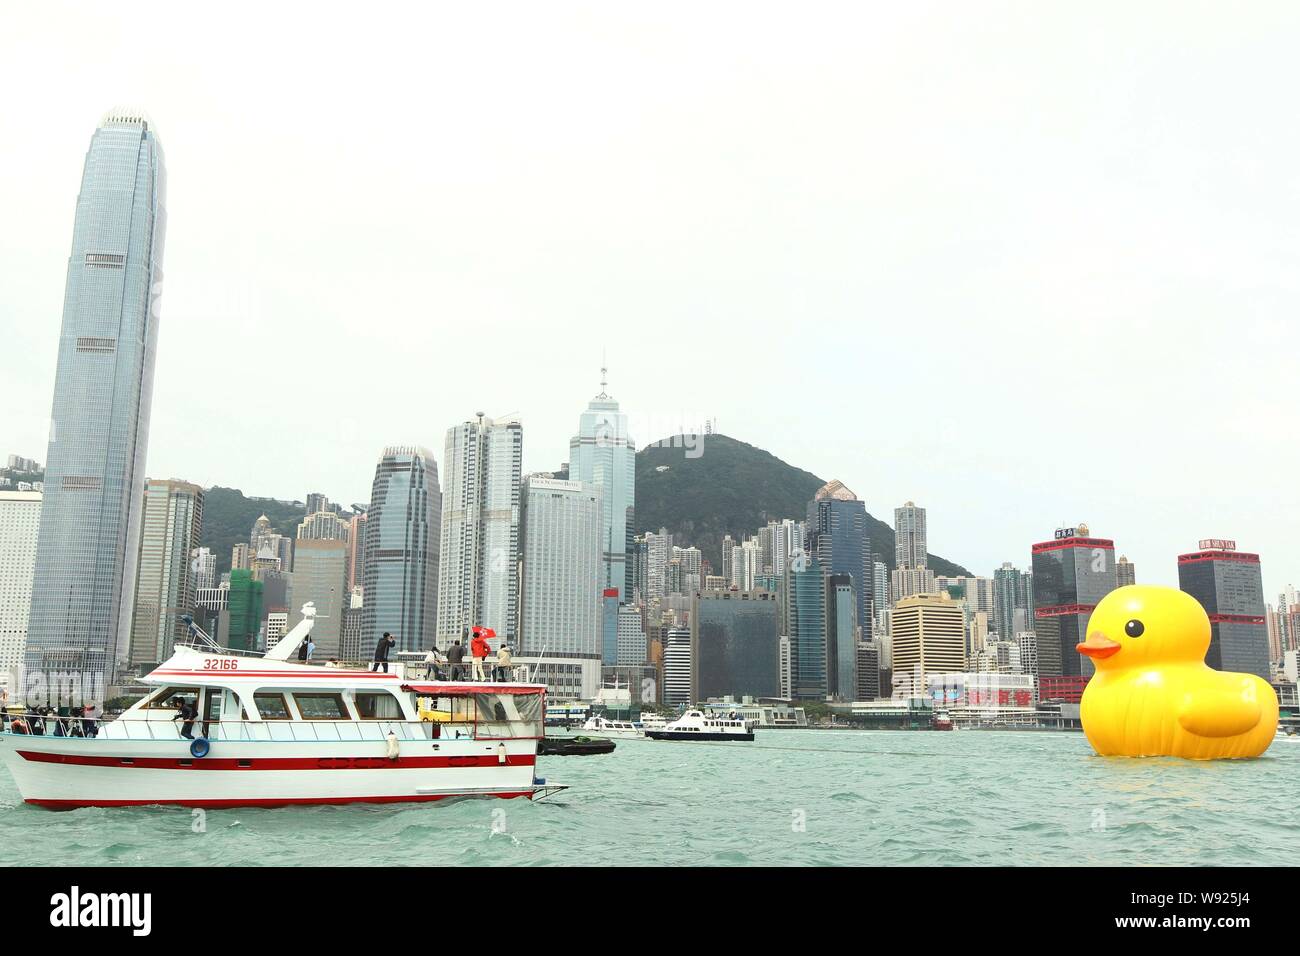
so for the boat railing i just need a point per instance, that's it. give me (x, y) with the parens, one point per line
(321, 731)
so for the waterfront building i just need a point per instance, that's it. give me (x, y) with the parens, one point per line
(836, 531)
(927, 637)
(735, 644)
(20, 525)
(320, 578)
(608, 626)
(479, 579)
(677, 667)
(631, 649)
(1072, 572)
(89, 543)
(603, 456)
(868, 672)
(805, 607)
(1229, 586)
(841, 637)
(562, 570)
(402, 550)
(785, 668)
(1125, 573)
(171, 525)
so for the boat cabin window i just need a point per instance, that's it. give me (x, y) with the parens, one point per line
(321, 706)
(272, 706)
(378, 705)
(509, 715)
(170, 698)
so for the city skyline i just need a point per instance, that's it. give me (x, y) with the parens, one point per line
(1101, 270)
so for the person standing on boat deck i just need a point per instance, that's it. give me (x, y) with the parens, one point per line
(455, 657)
(502, 671)
(91, 713)
(479, 649)
(185, 714)
(311, 648)
(302, 651)
(381, 652)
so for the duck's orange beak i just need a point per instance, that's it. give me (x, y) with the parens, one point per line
(1098, 646)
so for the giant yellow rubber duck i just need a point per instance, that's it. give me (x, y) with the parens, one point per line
(1153, 695)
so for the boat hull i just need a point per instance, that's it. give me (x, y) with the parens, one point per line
(687, 735)
(65, 773)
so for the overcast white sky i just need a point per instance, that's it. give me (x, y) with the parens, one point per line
(1027, 264)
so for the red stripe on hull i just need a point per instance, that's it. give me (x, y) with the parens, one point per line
(281, 763)
(237, 802)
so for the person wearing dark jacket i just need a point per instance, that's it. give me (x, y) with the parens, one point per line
(381, 652)
(455, 655)
(185, 714)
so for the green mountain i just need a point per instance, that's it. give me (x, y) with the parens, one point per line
(733, 488)
(228, 518)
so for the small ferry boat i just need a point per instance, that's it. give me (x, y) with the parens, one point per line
(941, 721)
(599, 724)
(270, 732)
(652, 721)
(697, 725)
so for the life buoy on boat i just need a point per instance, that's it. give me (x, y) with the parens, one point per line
(394, 748)
(200, 747)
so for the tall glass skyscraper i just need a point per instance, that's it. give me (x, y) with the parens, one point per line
(402, 551)
(603, 454)
(478, 582)
(99, 427)
(837, 535)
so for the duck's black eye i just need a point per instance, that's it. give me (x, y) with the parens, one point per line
(1134, 628)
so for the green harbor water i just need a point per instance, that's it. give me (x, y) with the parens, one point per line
(789, 798)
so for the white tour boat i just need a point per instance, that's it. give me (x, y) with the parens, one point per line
(272, 732)
(697, 725)
(597, 724)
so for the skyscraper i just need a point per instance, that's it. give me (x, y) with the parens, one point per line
(165, 588)
(402, 550)
(357, 552)
(1072, 572)
(99, 428)
(203, 568)
(910, 575)
(1125, 573)
(20, 523)
(735, 645)
(841, 637)
(837, 535)
(1229, 586)
(320, 576)
(928, 637)
(677, 668)
(909, 536)
(479, 574)
(561, 569)
(603, 455)
(1012, 601)
(805, 609)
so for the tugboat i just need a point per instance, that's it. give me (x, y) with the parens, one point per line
(696, 725)
(941, 721)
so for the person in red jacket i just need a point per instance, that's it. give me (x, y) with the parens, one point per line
(479, 649)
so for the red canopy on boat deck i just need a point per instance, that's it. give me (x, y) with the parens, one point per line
(474, 688)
